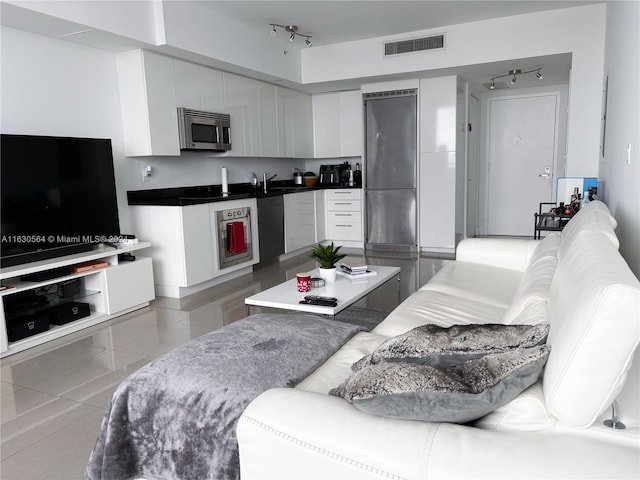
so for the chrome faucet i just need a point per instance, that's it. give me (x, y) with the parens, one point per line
(265, 180)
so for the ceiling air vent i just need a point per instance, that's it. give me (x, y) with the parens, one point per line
(414, 45)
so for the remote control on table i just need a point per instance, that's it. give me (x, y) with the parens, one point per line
(320, 303)
(321, 298)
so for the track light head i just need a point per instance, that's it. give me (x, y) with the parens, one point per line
(514, 76)
(292, 30)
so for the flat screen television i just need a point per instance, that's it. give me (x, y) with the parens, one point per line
(58, 196)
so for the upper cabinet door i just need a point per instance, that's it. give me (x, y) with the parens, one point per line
(148, 101)
(297, 123)
(338, 124)
(269, 134)
(326, 125)
(351, 124)
(242, 102)
(198, 87)
(438, 103)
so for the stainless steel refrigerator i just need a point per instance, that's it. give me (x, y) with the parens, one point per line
(390, 170)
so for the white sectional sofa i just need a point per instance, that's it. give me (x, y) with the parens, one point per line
(574, 280)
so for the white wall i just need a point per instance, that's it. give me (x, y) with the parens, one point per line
(578, 30)
(621, 174)
(183, 27)
(54, 87)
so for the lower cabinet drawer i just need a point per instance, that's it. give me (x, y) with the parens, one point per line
(344, 226)
(344, 231)
(344, 205)
(334, 218)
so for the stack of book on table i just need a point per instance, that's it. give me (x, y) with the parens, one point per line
(355, 271)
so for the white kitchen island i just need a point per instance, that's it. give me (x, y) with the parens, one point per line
(285, 296)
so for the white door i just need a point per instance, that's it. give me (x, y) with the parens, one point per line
(522, 149)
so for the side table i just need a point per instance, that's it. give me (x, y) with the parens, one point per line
(549, 222)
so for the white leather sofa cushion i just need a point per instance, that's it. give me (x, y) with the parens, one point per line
(593, 218)
(510, 253)
(533, 288)
(527, 413)
(594, 307)
(338, 367)
(294, 434)
(428, 306)
(534, 313)
(548, 247)
(483, 283)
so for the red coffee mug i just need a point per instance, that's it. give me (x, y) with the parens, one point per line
(304, 282)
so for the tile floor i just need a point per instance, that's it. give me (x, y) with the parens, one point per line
(52, 397)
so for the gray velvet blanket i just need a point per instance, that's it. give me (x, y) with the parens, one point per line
(176, 417)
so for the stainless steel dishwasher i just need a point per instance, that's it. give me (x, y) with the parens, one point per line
(270, 228)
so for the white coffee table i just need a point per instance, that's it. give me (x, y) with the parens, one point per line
(285, 296)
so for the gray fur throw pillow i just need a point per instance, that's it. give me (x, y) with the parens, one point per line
(461, 393)
(443, 347)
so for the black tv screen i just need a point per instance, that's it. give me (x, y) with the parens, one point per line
(58, 196)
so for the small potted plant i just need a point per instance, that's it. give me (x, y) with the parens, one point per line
(327, 256)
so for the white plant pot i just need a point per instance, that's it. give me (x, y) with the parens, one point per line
(327, 274)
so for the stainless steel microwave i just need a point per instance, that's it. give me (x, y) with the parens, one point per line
(204, 130)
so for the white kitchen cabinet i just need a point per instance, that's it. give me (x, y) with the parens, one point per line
(321, 225)
(148, 102)
(437, 165)
(185, 248)
(338, 124)
(297, 122)
(438, 99)
(343, 216)
(198, 87)
(242, 102)
(271, 138)
(182, 247)
(299, 221)
(115, 289)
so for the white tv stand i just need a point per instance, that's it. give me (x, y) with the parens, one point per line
(110, 291)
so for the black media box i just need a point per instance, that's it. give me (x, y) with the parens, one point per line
(27, 325)
(69, 288)
(68, 312)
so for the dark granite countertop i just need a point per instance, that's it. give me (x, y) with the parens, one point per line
(184, 196)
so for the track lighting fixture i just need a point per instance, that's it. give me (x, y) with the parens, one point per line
(514, 76)
(293, 32)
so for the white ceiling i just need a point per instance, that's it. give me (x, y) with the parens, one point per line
(331, 21)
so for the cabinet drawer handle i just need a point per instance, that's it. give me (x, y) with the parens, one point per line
(343, 214)
(347, 226)
(343, 203)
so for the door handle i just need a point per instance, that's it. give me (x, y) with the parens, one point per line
(544, 175)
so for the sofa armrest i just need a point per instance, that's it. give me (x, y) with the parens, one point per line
(511, 253)
(294, 434)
